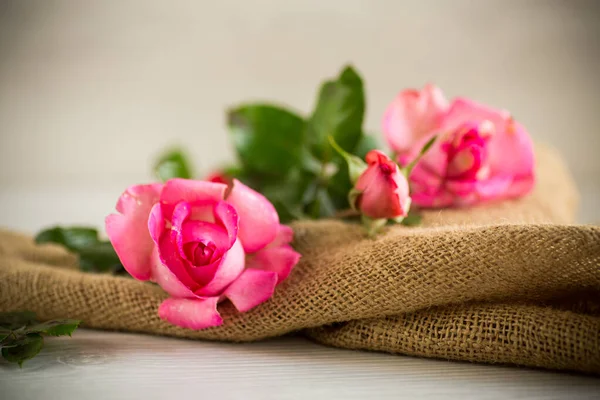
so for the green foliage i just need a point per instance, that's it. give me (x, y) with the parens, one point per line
(94, 255)
(172, 164)
(268, 139)
(289, 158)
(22, 336)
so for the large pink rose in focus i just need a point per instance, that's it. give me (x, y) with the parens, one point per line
(411, 119)
(481, 154)
(202, 243)
(381, 190)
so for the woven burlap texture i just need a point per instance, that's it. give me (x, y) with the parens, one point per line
(510, 282)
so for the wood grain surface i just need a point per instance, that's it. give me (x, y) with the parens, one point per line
(111, 365)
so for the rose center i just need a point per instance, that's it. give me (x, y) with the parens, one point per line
(200, 253)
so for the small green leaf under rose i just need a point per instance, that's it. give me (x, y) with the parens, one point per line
(73, 238)
(94, 255)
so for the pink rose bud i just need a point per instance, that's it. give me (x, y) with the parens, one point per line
(202, 243)
(411, 120)
(481, 154)
(381, 191)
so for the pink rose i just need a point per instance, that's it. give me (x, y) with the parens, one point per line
(481, 154)
(202, 246)
(381, 190)
(411, 120)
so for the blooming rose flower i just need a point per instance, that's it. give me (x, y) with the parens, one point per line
(381, 190)
(481, 154)
(411, 120)
(202, 246)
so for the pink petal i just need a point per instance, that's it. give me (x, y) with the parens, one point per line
(280, 260)
(258, 220)
(189, 191)
(433, 200)
(169, 257)
(204, 232)
(411, 120)
(191, 314)
(285, 235)
(167, 280)
(251, 288)
(463, 110)
(128, 232)
(226, 216)
(156, 223)
(230, 268)
(494, 188)
(139, 196)
(511, 151)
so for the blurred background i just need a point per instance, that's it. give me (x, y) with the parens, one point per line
(92, 91)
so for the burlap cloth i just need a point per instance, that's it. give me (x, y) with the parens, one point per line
(505, 283)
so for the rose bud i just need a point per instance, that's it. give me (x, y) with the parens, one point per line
(381, 191)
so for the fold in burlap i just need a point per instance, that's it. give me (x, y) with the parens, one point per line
(504, 283)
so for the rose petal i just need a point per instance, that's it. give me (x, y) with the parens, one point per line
(280, 260)
(463, 111)
(433, 200)
(189, 191)
(204, 232)
(226, 216)
(168, 256)
(285, 235)
(411, 120)
(156, 223)
(230, 268)
(191, 314)
(167, 280)
(138, 197)
(251, 288)
(520, 186)
(514, 142)
(258, 220)
(128, 232)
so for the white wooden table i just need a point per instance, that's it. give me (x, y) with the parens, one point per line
(111, 365)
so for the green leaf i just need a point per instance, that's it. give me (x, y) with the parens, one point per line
(268, 139)
(366, 144)
(27, 348)
(322, 205)
(99, 257)
(338, 187)
(55, 327)
(172, 164)
(73, 238)
(13, 320)
(413, 218)
(352, 197)
(288, 194)
(339, 112)
(356, 166)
